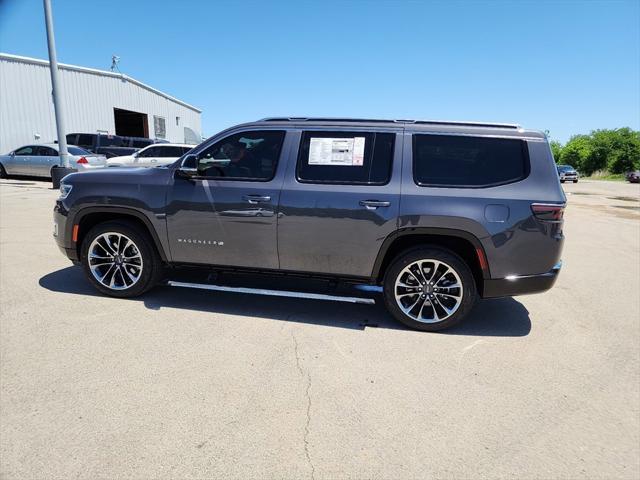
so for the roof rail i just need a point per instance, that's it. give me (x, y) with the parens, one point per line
(514, 126)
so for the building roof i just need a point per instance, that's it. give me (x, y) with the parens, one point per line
(94, 71)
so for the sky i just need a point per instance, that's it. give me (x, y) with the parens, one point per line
(564, 66)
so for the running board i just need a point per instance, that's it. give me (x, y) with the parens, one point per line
(274, 293)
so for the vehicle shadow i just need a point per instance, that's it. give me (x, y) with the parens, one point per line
(503, 317)
(26, 181)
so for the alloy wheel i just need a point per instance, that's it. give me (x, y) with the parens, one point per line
(428, 291)
(115, 261)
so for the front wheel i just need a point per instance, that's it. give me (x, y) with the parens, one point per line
(429, 289)
(575, 181)
(119, 259)
(3, 172)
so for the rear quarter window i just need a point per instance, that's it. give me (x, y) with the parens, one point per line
(465, 161)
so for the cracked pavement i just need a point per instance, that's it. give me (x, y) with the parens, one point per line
(195, 384)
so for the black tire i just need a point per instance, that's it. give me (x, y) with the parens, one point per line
(561, 181)
(3, 172)
(152, 267)
(575, 181)
(454, 262)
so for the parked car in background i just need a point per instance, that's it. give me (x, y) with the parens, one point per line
(151, 156)
(436, 215)
(633, 177)
(108, 145)
(567, 174)
(38, 160)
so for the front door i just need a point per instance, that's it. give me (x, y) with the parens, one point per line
(340, 200)
(22, 161)
(227, 214)
(147, 157)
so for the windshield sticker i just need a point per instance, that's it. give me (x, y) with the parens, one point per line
(337, 151)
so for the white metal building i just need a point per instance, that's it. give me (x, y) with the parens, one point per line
(94, 101)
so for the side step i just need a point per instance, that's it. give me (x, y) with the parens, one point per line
(275, 293)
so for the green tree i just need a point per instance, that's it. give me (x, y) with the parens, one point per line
(556, 150)
(624, 152)
(576, 151)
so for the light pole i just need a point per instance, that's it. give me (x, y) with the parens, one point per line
(64, 169)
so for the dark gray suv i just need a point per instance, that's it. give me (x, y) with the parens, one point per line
(435, 214)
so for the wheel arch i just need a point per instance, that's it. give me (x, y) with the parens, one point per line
(88, 217)
(465, 244)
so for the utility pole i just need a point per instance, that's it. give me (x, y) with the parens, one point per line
(57, 96)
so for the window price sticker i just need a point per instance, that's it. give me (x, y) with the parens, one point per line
(348, 152)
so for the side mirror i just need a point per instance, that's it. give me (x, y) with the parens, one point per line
(12, 154)
(189, 166)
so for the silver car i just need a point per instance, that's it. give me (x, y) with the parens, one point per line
(37, 160)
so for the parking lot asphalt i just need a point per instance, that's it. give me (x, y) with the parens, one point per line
(196, 384)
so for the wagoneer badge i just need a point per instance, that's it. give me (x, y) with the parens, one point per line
(201, 242)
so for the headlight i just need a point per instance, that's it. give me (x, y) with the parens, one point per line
(65, 190)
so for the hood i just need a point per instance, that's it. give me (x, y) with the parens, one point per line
(117, 175)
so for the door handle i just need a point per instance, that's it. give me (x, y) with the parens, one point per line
(253, 199)
(373, 204)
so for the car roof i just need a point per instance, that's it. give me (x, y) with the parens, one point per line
(436, 126)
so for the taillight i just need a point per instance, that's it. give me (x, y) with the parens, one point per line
(82, 160)
(549, 212)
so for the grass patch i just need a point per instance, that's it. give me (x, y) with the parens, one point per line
(605, 175)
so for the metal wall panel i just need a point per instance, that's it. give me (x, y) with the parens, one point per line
(89, 97)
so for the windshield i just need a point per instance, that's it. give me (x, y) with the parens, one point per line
(565, 168)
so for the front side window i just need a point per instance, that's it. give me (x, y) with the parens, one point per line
(464, 161)
(249, 156)
(345, 157)
(25, 151)
(149, 152)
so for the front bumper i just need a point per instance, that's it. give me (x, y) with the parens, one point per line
(61, 232)
(521, 284)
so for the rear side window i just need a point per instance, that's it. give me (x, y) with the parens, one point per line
(461, 161)
(85, 140)
(48, 152)
(140, 143)
(171, 151)
(110, 141)
(345, 157)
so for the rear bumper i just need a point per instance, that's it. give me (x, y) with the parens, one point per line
(521, 284)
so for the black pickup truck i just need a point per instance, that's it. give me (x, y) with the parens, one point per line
(108, 145)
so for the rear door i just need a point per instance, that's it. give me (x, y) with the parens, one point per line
(226, 215)
(340, 200)
(47, 158)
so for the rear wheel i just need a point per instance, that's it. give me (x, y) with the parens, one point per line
(429, 289)
(119, 259)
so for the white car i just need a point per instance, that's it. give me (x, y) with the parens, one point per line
(38, 160)
(151, 156)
